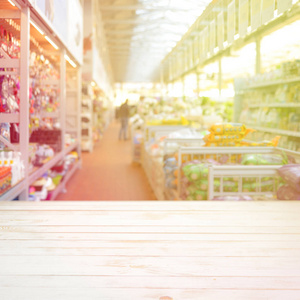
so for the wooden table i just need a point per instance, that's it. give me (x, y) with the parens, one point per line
(146, 250)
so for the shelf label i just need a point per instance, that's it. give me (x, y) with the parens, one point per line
(231, 22)
(268, 7)
(284, 5)
(212, 35)
(220, 33)
(243, 17)
(255, 14)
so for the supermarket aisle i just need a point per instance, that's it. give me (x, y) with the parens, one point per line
(108, 173)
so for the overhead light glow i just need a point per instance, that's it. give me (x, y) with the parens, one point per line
(51, 42)
(93, 83)
(37, 28)
(11, 3)
(70, 61)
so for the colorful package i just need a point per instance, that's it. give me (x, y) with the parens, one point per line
(286, 192)
(291, 175)
(228, 129)
(263, 159)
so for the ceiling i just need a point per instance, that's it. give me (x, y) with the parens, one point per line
(140, 33)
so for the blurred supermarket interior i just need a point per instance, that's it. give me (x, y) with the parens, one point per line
(212, 90)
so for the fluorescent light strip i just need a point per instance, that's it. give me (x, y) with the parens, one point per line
(70, 61)
(11, 3)
(37, 28)
(51, 42)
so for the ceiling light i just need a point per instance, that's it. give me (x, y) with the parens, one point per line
(11, 3)
(93, 83)
(37, 28)
(51, 42)
(70, 61)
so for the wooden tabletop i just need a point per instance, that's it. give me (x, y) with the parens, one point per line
(149, 250)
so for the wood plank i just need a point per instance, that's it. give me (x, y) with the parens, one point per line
(157, 218)
(64, 244)
(158, 282)
(87, 236)
(147, 266)
(144, 294)
(156, 205)
(152, 250)
(153, 229)
(266, 213)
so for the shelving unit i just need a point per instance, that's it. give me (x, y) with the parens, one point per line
(272, 83)
(262, 94)
(87, 119)
(24, 15)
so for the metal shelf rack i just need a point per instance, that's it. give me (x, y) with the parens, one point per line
(23, 13)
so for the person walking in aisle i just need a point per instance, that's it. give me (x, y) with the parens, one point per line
(124, 116)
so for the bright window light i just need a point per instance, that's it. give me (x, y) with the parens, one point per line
(37, 28)
(11, 3)
(51, 42)
(70, 61)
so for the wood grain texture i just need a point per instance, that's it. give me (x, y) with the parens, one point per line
(146, 250)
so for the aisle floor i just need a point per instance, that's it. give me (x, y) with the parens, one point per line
(108, 173)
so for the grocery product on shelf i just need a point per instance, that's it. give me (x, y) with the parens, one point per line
(5, 179)
(271, 104)
(52, 181)
(13, 160)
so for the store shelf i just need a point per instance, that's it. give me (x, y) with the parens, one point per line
(48, 165)
(67, 177)
(71, 147)
(9, 118)
(49, 83)
(13, 192)
(54, 114)
(271, 83)
(278, 131)
(282, 105)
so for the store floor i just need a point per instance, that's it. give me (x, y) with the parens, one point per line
(108, 173)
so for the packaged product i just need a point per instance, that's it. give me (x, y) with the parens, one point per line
(194, 172)
(291, 174)
(5, 133)
(272, 143)
(225, 138)
(286, 192)
(263, 159)
(228, 129)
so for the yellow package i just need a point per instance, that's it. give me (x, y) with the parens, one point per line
(272, 143)
(224, 144)
(223, 138)
(228, 128)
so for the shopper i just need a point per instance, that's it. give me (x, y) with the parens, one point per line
(124, 116)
